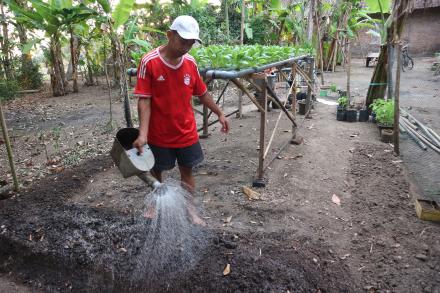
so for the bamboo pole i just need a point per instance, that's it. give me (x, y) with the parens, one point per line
(407, 129)
(423, 139)
(276, 125)
(8, 149)
(244, 89)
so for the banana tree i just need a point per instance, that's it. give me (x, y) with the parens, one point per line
(29, 77)
(378, 84)
(52, 17)
(73, 19)
(5, 45)
(113, 20)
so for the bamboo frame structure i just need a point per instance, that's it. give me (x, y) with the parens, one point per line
(257, 78)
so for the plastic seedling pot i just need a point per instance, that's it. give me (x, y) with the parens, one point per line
(351, 115)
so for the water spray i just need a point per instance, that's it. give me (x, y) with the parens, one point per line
(172, 242)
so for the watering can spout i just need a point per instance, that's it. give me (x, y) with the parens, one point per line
(149, 179)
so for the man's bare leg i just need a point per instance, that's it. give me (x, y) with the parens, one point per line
(187, 177)
(150, 213)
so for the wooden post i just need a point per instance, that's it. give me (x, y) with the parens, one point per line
(263, 103)
(396, 101)
(390, 69)
(240, 105)
(309, 87)
(348, 69)
(293, 95)
(8, 149)
(205, 132)
(261, 99)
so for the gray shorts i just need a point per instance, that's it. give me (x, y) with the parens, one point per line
(165, 158)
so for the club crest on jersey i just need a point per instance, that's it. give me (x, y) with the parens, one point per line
(186, 79)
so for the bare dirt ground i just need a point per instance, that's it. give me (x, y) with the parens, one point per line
(65, 231)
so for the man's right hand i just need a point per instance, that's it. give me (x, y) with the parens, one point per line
(139, 143)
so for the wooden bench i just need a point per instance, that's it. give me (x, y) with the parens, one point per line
(371, 57)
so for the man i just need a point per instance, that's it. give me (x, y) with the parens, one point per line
(167, 79)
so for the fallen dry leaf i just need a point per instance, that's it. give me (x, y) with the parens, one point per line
(296, 157)
(227, 270)
(336, 200)
(228, 219)
(251, 194)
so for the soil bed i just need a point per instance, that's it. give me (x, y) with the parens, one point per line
(52, 243)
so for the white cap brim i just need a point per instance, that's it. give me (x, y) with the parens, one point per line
(189, 36)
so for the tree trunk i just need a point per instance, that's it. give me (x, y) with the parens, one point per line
(378, 84)
(116, 73)
(310, 21)
(89, 76)
(120, 67)
(57, 75)
(26, 58)
(5, 45)
(243, 5)
(74, 50)
(226, 6)
(283, 22)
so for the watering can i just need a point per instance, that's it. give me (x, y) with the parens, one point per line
(128, 159)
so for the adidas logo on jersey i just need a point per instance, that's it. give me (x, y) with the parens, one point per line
(160, 78)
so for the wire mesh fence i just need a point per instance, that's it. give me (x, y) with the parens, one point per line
(423, 166)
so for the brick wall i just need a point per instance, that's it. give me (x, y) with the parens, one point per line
(421, 31)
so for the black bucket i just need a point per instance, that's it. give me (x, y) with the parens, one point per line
(341, 114)
(302, 107)
(351, 115)
(363, 115)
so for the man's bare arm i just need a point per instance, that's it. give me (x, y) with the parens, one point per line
(144, 112)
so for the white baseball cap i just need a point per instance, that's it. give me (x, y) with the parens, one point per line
(187, 27)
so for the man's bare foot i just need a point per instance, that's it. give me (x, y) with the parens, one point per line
(150, 213)
(195, 219)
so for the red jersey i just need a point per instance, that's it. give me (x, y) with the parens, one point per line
(170, 87)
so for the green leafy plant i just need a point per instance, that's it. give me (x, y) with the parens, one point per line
(378, 103)
(343, 102)
(56, 136)
(8, 90)
(384, 111)
(333, 88)
(239, 57)
(29, 76)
